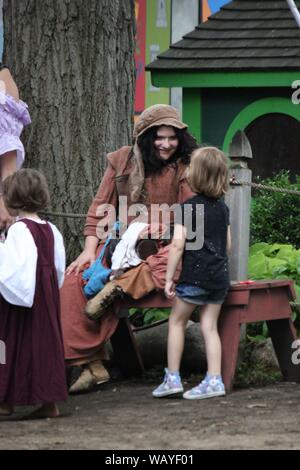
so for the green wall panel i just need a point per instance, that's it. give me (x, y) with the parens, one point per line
(192, 111)
(220, 108)
(224, 79)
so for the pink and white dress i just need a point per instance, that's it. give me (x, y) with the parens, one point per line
(14, 116)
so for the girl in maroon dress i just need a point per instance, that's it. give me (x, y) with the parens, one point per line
(32, 264)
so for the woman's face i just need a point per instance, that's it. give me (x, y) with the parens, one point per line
(166, 142)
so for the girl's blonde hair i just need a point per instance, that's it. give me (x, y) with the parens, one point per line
(209, 172)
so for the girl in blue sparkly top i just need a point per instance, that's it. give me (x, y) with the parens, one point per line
(204, 279)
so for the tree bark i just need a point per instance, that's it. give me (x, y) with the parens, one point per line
(73, 61)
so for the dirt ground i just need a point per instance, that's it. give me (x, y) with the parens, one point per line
(123, 415)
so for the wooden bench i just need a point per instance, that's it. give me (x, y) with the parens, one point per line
(246, 303)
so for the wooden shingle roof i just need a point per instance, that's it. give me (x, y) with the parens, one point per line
(244, 35)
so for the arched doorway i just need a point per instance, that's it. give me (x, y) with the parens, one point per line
(275, 143)
(272, 126)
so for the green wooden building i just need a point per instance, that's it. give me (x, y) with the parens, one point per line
(239, 71)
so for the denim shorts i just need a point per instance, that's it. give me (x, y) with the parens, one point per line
(199, 296)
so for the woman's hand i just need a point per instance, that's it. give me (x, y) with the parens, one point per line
(86, 257)
(170, 289)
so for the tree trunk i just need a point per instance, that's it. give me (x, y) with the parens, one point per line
(73, 61)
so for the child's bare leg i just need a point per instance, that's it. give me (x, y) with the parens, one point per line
(209, 328)
(48, 410)
(6, 410)
(179, 317)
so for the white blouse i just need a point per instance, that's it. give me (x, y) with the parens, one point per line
(18, 261)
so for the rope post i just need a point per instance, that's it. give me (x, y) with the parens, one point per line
(238, 199)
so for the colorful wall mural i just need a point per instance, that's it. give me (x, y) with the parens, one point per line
(209, 7)
(140, 55)
(153, 24)
(158, 34)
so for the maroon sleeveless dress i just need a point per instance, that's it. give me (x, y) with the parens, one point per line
(34, 372)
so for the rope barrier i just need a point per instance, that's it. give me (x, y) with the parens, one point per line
(265, 187)
(64, 214)
(233, 182)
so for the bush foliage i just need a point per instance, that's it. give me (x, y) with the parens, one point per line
(275, 217)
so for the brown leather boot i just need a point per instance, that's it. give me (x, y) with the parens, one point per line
(6, 410)
(93, 374)
(84, 382)
(98, 304)
(99, 372)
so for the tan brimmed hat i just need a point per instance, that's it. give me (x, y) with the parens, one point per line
(156, 115)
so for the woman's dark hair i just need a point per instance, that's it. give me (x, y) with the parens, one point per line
(153, 164)
(26, 190)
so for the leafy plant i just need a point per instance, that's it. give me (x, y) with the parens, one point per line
(257, 332)
(147, 316)
(275, 261)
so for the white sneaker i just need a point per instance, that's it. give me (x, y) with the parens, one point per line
(170, 386)
(211, 386)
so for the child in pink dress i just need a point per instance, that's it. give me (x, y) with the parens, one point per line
(32, 264)
(14, 116)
